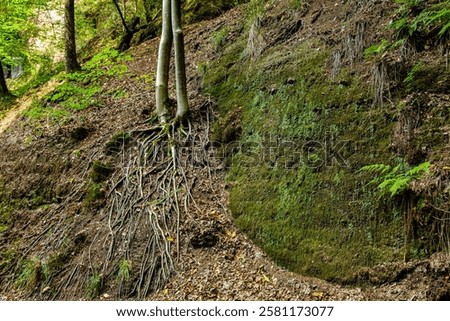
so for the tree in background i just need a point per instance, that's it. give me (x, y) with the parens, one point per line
(70, 44)
(4, 92)
(16, 27)
(171, 32)
(130, 29)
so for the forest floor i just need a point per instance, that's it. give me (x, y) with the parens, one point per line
(23, 103)
(216, 260)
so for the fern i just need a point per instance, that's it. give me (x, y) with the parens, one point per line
(444, 30)
(430, 17)
(419, 169)
(376, 168)
(394, 181)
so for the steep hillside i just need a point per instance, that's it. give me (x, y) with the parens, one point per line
(309, 97)
(288, 104)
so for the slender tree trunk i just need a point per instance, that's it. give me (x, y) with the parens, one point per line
(124, 23)
(3, 88)
(162, 73)
(180, 64)
(71, 49)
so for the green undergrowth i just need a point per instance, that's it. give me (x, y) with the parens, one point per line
(5, 215)
(422, 19)
(32, 79)
(82, 89)
(6, 103)
(294, 141)
(29, 82)
(418, 25)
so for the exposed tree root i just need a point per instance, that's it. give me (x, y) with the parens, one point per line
(146, 204)
(131, 246)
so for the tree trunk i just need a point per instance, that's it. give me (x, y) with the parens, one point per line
(121, 16)
(125, 41)
(3, 88)
(180, 64)
(162, 73)
(70, 45)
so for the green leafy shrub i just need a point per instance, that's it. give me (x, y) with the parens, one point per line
(72, 95)
(38, 111)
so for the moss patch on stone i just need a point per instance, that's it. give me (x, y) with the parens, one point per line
(302, 138)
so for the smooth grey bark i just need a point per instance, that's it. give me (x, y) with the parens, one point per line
(162, 73)
(171, 31)
(180, 64)
(70, 45)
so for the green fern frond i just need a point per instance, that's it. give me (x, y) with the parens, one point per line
(381, 168)
(399, 185)
(419, 169)
(397, 180)
(444, 29)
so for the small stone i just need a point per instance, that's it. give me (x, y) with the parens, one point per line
(45, 290)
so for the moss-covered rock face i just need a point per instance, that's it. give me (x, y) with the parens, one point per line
(302, 138)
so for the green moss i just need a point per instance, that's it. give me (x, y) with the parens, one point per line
(427, 78)
(297, 190)
(30, 274)
(7, 258)
(116, 142)
(95, 192)
(100, 171)
(54, 264)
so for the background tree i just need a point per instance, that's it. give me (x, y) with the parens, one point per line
(171, 31)
(70, 44)
(16, 27)
(130, 28)
(3, 87)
